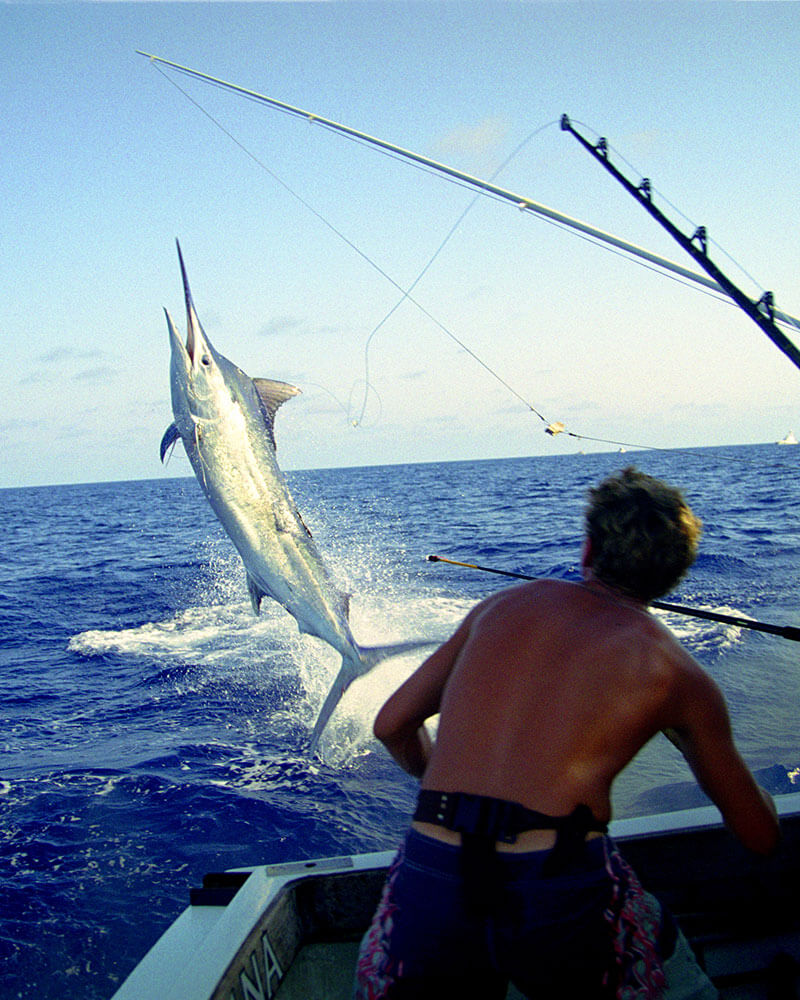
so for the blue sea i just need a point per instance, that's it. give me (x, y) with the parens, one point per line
(153, 729)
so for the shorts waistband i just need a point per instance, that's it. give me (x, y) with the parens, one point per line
(498, 819)
(483, 820)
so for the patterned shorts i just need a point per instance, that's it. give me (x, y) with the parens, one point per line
(425, 941)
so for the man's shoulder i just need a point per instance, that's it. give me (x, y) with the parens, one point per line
(518, 601)
(679, 669)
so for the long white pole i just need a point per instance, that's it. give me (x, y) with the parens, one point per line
(521, 202)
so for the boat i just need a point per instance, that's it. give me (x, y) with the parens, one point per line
(291, 931)
(789, 439)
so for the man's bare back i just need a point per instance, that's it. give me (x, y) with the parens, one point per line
(548, 690)
(560, 671)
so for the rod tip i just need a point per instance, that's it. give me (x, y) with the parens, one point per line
(432, 558)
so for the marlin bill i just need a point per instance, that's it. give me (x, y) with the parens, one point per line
(226, 422)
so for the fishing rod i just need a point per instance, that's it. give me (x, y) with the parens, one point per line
(519, 201)
(761, 312)
(791, 632)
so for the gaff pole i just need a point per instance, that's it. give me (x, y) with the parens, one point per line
(791, 632)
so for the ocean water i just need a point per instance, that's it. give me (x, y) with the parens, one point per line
(153, 729)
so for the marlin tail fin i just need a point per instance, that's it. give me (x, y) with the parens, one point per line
(352, 668)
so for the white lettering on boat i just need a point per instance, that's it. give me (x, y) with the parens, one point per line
(272, 966)
(260, 987)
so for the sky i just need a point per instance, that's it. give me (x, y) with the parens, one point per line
(296, 239)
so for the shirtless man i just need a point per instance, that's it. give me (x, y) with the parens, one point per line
(546, 692)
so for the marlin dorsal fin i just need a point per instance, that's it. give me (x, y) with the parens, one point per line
(272, 394)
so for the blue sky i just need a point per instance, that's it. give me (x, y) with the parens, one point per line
(105, 162)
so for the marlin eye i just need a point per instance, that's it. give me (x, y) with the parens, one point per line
(206, 360)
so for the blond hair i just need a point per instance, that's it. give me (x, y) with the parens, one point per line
(644, 535)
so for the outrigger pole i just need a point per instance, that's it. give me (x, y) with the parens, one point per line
(762, 312)
(521, 202)
(784, 631)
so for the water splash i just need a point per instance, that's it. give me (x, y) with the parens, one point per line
(264, 666)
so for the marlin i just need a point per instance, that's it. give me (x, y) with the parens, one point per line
(226, 422)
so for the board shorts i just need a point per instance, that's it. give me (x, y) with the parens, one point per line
(589, 930)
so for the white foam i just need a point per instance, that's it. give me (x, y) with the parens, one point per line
(219, 636)
(208, 633)
(700, 634)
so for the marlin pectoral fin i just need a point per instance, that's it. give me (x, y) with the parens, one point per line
(171, 435)
(256, 593)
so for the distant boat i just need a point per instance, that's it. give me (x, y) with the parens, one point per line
(789, 439)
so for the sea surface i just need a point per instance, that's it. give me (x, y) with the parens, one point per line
(153, 729)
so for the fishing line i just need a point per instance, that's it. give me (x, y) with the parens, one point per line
(404, 293)
(552, 428)
(345, 409)
(279, 180)
(351, 403)
(436, 253)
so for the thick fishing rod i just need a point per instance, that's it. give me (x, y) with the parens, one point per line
(761, 312)
(791, 632)
(519, 201)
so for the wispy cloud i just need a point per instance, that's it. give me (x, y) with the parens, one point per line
(62, 355)
(74, 432)
(280, 324)
(16, 424)
(48, 373)
(102, 373)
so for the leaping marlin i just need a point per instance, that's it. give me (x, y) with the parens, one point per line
(226, 422)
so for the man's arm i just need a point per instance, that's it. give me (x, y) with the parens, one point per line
(703, 735)
(400, 724)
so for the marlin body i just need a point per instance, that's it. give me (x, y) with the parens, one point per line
(225, 420)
